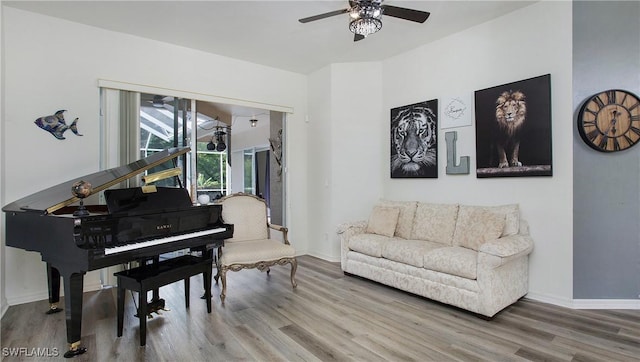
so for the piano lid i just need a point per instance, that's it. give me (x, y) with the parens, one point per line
(59, 196)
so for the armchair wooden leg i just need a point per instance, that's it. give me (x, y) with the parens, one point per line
(218, 266)
(294, 267)
(223, 275)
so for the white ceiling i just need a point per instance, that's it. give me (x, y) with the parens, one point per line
(268, 32)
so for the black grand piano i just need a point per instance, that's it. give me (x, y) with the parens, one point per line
(137, 224)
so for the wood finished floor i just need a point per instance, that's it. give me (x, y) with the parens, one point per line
(329, 317)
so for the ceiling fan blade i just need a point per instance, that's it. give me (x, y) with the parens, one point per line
(357, 37)
(322, 16)
(406, 14)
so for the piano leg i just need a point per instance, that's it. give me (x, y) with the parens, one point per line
(53, 281)
(73, 303)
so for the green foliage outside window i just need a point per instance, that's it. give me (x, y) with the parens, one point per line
(211, 169)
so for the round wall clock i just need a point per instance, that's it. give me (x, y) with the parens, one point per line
(610, 121)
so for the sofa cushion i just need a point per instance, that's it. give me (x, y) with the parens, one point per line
(383, 220)
(452, 260)
(405, 218)
(512, 218)
(252, 251)
(475, 226)
(435, 222)
(408, 251)
(511, 213)
(368, 244)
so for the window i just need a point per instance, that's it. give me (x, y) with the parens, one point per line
(163, 125)
(211, 171)
(249, 184)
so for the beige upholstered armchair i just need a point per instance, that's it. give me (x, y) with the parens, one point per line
(251, 245)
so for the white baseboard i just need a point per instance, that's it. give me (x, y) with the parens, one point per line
(42, 295)
(551, 299)
(606, 304)
(5, 306)
(326, 257)
(586, 303)
(27, 298)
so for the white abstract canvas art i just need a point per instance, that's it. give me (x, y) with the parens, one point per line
(456, 111)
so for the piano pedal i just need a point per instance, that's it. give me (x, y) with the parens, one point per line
(154, 306)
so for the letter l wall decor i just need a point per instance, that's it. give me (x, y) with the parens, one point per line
(452, 169)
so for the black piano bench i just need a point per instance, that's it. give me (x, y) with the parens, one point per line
(151, 277)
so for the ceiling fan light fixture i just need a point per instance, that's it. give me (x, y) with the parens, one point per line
(365, 26)
(254, 122)
(366, 19)
(365, 16)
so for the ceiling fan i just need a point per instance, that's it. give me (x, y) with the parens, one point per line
(366, 16)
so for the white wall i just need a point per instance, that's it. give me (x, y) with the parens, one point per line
(252, 137)
(533, 41)
(344, 111)
(337, 149)
(52, 64)
(320, 124)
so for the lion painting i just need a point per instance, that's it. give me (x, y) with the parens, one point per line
(413, 138)
(511, 110)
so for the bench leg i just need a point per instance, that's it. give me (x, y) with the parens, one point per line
(186, 291)
(121, 293)
(207, 288)
(142, 315)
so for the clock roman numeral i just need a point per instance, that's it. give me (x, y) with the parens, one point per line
(624, 98)
(593, 135)
(635, 118)
(595, 113)
(598, 101)
(616, 145)
(635, 130)
(628, 139)
(603, 142)
(633, 106)
(611, 96)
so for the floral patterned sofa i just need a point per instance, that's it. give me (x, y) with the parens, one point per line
(472, 257)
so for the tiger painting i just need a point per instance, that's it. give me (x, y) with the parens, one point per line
(413, 141)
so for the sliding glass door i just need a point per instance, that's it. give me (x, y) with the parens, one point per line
(167, 122)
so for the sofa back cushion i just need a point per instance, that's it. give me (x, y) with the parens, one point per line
(383, 220)
(435, 222)
(405, 218)
(511, 213)
(477, 225)
(512, 217)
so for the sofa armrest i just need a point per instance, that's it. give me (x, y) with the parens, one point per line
(345, 232)
(507, 248)
(354, 227)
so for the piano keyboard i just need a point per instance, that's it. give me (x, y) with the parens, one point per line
(144, 244)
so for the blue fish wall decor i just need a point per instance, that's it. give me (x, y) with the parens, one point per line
(56, 125)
